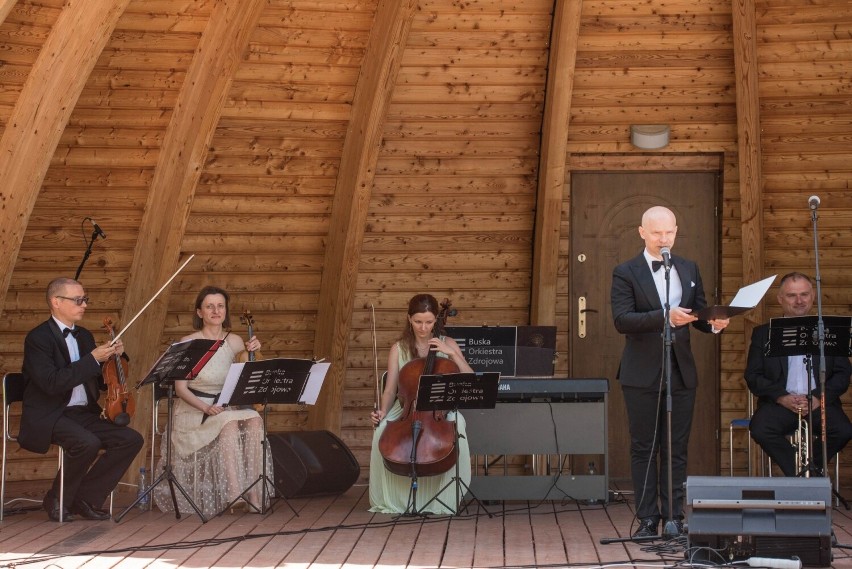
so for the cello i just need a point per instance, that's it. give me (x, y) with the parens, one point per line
(420, 443)
(119, 405)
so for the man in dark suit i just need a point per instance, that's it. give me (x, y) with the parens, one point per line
(638, 296)
(63, 378)
(782, 385)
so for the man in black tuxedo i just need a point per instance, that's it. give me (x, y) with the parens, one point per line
(63, 378)
(637, 297)
(782, 385)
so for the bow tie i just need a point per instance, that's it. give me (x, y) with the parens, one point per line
(655, 266)
(71, 331)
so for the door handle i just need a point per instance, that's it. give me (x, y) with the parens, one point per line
(581, 317)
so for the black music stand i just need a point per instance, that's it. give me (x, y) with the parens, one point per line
(451, 392)
(183, 360)
(277, 380)
(798, 336)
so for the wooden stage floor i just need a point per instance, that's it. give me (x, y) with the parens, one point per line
(338, 531)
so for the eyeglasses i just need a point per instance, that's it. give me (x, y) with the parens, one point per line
(78, 300)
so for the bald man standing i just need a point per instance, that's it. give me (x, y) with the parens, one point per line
(638, 297)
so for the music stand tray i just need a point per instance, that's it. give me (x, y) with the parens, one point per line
(265, 382)
(181, 361)
(452, 392)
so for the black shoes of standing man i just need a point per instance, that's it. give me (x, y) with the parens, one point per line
(79, 509)
(648, 528)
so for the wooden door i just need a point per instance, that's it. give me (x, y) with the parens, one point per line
(606, 211)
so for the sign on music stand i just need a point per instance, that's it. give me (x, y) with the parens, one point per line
(797, 336)
(265, 382)
(181, 361)
(452, 392)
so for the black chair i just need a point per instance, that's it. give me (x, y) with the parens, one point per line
(13, 392)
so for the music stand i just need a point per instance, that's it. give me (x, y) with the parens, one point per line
(451, 392)
(798, 336)
(277, 380)
(183, 360)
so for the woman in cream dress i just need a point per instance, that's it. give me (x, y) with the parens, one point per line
(218, 457)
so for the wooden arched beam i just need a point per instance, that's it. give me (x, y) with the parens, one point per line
(181, 160)
(748, 147)
(42, 111)
(352, 201)
(565, 34)
(749, 150)
(6, 7)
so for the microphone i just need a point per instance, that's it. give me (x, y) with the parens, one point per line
(98, 230)
(813, 202)
(667, 257)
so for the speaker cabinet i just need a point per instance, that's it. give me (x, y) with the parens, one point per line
(732, 519)
(312, 463)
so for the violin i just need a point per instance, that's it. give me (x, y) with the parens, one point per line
(119, 405)
(247, 320)
(420, 443)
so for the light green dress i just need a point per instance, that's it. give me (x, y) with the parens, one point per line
(389, 492)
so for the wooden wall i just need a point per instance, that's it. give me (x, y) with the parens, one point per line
(451, 203)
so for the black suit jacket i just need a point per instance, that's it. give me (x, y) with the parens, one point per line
(767, 376)
(638, 314)
(49, 379)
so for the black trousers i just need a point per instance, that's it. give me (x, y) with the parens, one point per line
(82, 433)
(647, 420)
(771, 424)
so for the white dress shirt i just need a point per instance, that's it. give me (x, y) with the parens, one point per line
(78, 395)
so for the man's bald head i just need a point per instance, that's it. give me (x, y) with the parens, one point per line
(658, 229)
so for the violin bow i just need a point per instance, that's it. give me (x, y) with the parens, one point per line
(147, 304)
(376, 359)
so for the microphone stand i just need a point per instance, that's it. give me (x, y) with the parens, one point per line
(669, 527)
(820, 339)
(86, 254)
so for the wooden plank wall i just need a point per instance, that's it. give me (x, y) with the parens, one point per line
(453, 200)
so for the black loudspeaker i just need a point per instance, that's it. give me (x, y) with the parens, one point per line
(732, 519)
(312, 463)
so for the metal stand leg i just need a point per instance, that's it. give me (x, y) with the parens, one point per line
(459, 483)
(262, 479)
(167, 475)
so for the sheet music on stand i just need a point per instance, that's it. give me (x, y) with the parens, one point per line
(276, 380)
(451, 391)
(797, 336)
(182, 360)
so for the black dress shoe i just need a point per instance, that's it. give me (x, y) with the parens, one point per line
(647, 528)
(51, 506)
(86, 510)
